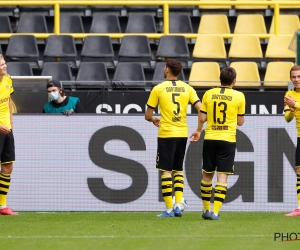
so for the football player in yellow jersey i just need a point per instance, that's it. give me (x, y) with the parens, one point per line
(172, 97)
(222, 108)
(291, 110)
(7, 146)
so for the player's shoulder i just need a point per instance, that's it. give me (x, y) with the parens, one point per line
(238, 93)
(7, 76)
(289, 92)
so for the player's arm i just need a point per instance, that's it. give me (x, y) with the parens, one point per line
(150, 118)
(288, 115)
(241, 110)
(10, 112)
(240, 120)
(196, 135)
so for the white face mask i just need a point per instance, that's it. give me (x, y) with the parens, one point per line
(53, 96)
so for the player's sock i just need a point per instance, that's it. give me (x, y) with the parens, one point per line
(206, 190)
(178, 186)
(4, 186)
(219, 196)
(166, 188)
(298, 189)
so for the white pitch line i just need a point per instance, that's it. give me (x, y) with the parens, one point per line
(133, 236)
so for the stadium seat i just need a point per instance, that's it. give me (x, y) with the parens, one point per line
(60, 47)
(215, 6)
(135, 48)
(35, 10)
(105, 24)
(250, 24)
(71, 24)
(32, 24)
(58, 70)
(173, 47)
(180, 23)
(214, 24)
(278, 74)
(19, 69)
(5, 25)
(22, 48)
(245, 47)
(92, 75)
(141, 24)
(210, 47)
(129, 75)
(288, 24)
(98, 48)
(205, 74)
(278, 48)
(247, 74)
(158, 75)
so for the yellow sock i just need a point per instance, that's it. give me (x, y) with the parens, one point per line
(178, 186)
(298, 188)
(206, 189)
(4, 186)
(219, 196)
(166, 188)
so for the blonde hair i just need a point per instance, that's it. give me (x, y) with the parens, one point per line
(294, 68)
(1, 56)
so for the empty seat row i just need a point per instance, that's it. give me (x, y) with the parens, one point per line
(203, 74)
(209, 24)
(137, 48)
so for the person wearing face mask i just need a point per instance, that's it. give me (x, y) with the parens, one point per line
(59, 102)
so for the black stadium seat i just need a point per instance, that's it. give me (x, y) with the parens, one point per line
(58, 70)
(22, 48)
(141, 24)
(129, 75)
(5, 25)
(32, 24)
(61, 46)
(71, 24)
(135, 48)
(98, 48)
(105, 24)
(92, 75)
(19, 69)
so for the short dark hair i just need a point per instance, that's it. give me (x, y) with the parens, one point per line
(174, 65)
(57, 84)
(294, 68)
(227, 76)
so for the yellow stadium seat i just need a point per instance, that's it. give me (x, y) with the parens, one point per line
(250, 7)
(214, 24)
(209, 46)
(250, 24)
(215, 6)
(205, 74)
(247, 74)
(278, 47)
(245, 46)
(288, 24)
(278, 74)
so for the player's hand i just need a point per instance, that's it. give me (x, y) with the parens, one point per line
(68, 112)
(292, 109)
(4, 130)
(195, 136)
(156, 121)
(290, 101)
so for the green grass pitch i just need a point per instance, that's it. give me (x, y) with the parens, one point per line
(141, 230)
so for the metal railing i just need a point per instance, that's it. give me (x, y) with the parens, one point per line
(274, 4)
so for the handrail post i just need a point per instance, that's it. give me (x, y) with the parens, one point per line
(276, 19)
(166, 19)
(56, 19)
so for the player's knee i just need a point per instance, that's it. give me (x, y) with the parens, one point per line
(6, 168)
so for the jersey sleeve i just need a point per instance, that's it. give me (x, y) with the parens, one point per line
(153, 98)
(9, 80)
(286, 107)
(242, 106)
(193, 96)
(203, 105)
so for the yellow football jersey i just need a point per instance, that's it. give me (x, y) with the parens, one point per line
(222, 106)
(6, 89)
(296, 96)
(172, 98)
